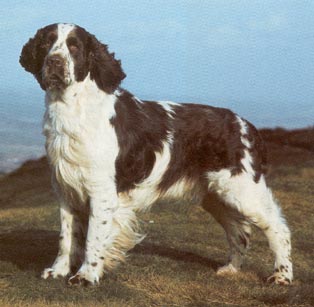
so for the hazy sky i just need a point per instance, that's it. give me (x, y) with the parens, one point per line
(256, 57)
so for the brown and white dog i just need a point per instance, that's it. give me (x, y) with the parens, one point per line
(112, 154)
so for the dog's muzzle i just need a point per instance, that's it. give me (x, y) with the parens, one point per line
(54, 74)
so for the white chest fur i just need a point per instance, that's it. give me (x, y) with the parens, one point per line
(81, 143)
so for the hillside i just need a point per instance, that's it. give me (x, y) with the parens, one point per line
(175, 265)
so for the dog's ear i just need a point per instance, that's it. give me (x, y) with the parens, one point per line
(33, 54)
(104, 68)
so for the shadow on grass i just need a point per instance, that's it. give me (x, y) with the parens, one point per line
(31, 249)
(175, 254)
(35, 249)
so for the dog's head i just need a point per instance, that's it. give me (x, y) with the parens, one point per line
(61, 54)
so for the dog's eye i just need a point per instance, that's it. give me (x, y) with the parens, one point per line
(73, 45)
(73, 48)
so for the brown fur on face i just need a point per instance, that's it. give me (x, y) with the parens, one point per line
(36, 49)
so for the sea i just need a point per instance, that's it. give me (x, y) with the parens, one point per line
(21, 136)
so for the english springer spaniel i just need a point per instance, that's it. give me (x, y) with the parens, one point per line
(112, 154)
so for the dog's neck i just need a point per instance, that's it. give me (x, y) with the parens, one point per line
(84, 94)
(73, 91)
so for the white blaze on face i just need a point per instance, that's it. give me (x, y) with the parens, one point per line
(60, 48)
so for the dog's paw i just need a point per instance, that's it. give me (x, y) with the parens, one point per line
(227, 269)
(47, 273)
(51, 272)
(279, 279)
(82, 279)
(60, 268)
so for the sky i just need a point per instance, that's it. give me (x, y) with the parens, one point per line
(255, 57)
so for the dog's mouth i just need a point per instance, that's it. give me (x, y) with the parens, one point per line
(55, 81)
(54, 78)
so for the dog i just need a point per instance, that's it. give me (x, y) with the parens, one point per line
(112, 155)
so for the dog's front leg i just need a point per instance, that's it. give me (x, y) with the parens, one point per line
(111, 232)
(61, 266)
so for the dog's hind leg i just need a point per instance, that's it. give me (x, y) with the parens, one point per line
(237, 228)
(254, 201)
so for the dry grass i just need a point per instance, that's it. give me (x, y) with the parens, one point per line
(174, 266)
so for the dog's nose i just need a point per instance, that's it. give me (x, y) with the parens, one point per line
(54, 60)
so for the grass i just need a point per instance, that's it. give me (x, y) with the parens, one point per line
(174, 266)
